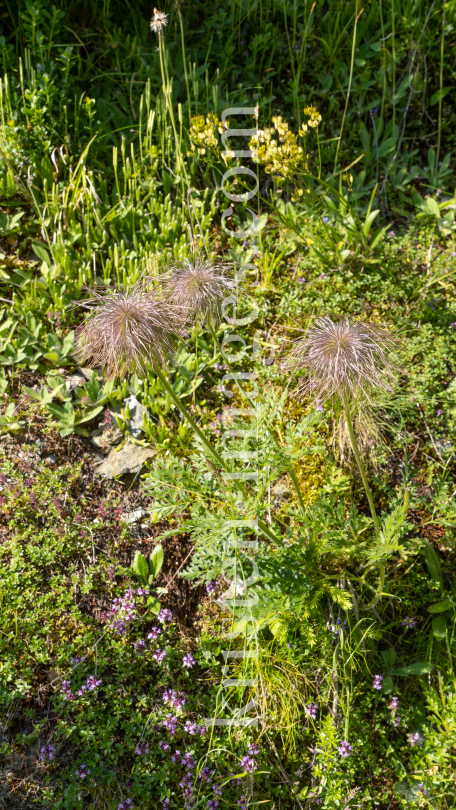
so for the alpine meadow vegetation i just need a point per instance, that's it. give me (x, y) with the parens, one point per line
(227, 405)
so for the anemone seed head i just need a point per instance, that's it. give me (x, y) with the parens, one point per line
(350, 360)
(158, 21)
(127, 331)
(198, 286)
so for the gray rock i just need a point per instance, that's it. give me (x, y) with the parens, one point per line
(74, 381)
(105, 439)
(137, 413)
(130, 459)
(133, 517)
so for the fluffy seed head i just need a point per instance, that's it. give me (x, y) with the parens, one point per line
(197, 286)
(126, 331)
(158, 21)
(350, 360)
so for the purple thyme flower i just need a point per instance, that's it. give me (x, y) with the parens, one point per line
(190, 727)
(77, 659)
(322, 276)
(345, 749)
(47, 752)
(377, 682)
(142, 592)
(169, 695)
(165, 615)
(82, 771)
(421, 789)
(211, 586)
(163, 745)
(212, 804)
(159, 655)
(166, 803)
(205, 773)
(248, 764)
(176, 756)
(396, 721)
(311, 710)
(170, 723)
(409, 622)
(141, 749)
(301, 280)
(391, 233)
(188, 660)
(154, 634)
(66, 689)
(140, 646)
(415, 739)
(189, 761)
(394, 705)
(253, 749)
(453, 325)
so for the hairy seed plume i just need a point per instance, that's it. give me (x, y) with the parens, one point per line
(197, 286)
(158, 21)
(350, 360)
(127, 331)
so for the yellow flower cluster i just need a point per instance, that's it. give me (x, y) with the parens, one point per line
(278, 149)
(315, 118)
(204, 135)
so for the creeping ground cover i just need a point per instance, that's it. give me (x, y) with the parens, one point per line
(227, 405)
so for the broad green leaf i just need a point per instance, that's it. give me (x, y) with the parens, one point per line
(419, 668)
(387, 685)
(140, 567)
(439, 627)
(389, 657)
(154, 605)
(440, 607)
(91, 415)
(39, 249)
(433, 563)
(156, 561)
(433, 207)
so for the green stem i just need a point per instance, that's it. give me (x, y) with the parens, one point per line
(214, 453)
(360, 464)
(294, 478)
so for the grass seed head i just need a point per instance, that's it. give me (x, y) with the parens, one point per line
(350, 360)
(127, 331)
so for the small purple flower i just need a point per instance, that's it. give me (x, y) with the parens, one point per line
(188, 660)
(205, 773)
(201, 730)
(248, 764)
(83, 771)
(221, 389)
(322, 276)
(142, 592)
(396, 721)
(409, 622)
(165, 615)
(166, 803)
(421, 789)
(345, 749)
(394, 705)
(253, 749)
(176, 756)
(163, 745)
(47, 752)
(439, 412)
(170, 723)
(77, 659)
(189, 761)
(319, 407)
(92, 682)
(154, 634)
(212, 586)
(142, 749)
(391, 233)
(311, 710)
(415, 739)
(140, 646)
(212, 804)
(159, 655)
(453, 325)
(301, 280)
(190, 728)
(325, 220)
(377, 682)
(66, 689)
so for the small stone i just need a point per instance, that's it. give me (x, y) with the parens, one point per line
(130, 459)
(133, 517)
(50, 460)
(137, 414)
(105, 439)
(74, 381)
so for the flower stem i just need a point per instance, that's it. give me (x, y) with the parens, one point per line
(294, 478)
(360, 464)
(213, 452)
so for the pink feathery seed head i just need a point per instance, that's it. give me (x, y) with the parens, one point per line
(344, 358)
(197, 286)
(127, 331)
